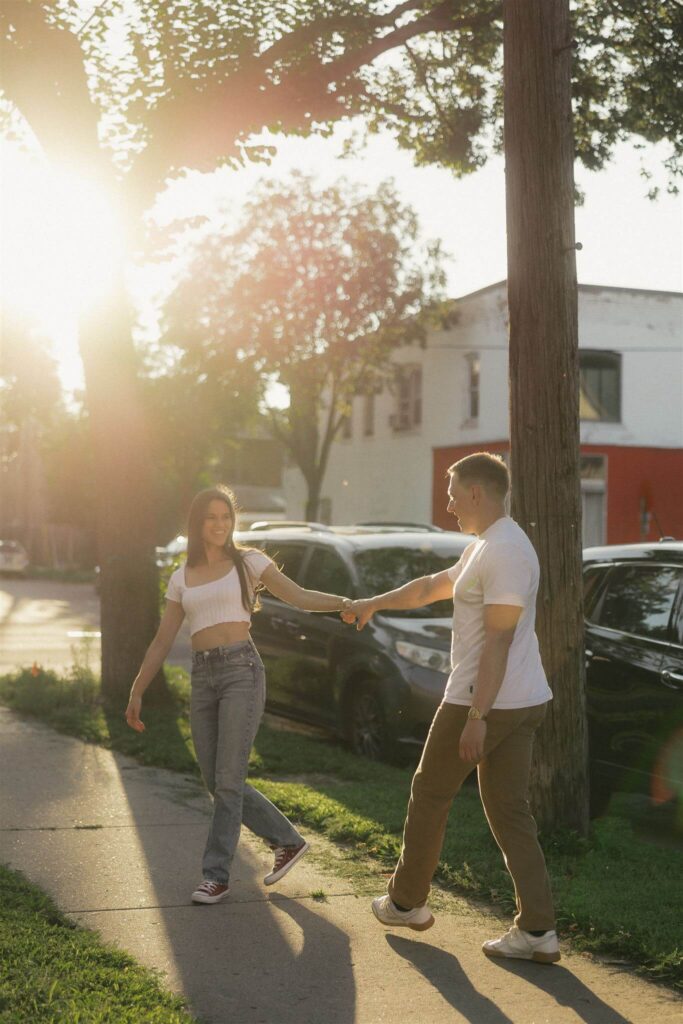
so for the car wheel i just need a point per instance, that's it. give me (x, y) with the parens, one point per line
(368, 730)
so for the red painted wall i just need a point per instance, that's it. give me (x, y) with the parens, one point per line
(652, 474)
(442, 458)
(634, 475)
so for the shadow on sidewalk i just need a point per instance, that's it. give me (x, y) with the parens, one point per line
(566, 989)
(256, 957)
(444, 972)
(324, 963)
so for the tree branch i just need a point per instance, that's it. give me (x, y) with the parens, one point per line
(441, 19)
(43, 74)
(194, 129)
(304, 35)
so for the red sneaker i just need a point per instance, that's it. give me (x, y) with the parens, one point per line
(210, 892)
(285, 858)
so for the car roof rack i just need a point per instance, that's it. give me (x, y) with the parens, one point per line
(399, 525)
(288, 524)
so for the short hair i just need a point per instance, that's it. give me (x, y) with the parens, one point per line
(485, 469)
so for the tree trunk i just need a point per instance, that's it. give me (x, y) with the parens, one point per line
(544, 379)
(129, 593)
(312, 500)
(303, 431)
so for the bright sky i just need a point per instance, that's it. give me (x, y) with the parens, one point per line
(49, 264)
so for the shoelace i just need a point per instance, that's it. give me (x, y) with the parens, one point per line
(281, 855)
(208, 887)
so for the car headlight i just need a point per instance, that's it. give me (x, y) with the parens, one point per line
(425, 657)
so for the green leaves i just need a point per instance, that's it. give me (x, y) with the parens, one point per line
(313, 288)
(187, 85)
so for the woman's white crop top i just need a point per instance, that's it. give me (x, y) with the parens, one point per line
(221, 600)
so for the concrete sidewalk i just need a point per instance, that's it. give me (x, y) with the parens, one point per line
(118, 846)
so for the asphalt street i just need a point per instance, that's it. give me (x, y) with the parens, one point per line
(54, 623)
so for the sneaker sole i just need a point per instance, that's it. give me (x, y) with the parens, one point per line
(209, 899)
(539, 958)
(271, 880)
(421, 927)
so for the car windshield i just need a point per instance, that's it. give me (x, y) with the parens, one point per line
(382, 569)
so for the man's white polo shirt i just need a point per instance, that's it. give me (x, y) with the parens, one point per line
(499, 567)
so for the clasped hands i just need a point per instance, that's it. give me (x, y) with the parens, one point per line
(360, 611)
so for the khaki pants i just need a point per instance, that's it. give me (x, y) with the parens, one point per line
(503, 785)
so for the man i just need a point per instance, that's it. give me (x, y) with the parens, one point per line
(495, 700)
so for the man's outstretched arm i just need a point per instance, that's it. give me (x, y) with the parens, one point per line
(415, 594)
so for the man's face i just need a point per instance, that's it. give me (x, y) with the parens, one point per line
(462, 503)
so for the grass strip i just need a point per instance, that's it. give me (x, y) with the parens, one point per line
(54, 971)
(616, 893)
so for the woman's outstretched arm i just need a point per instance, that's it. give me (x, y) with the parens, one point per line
(419, 592)
(309, 600)
(153, 660)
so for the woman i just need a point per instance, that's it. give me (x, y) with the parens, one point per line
(216, 589)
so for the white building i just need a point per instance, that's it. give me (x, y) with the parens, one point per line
(451, 398)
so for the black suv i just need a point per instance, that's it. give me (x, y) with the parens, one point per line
(634, 669)
(379, 687)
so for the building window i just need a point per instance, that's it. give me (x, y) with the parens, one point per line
(347, 426)
(600, 398)
(408, 413)
(593, 499)
(369, 414)
(474, 365)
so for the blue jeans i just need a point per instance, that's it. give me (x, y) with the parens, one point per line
(228, 697)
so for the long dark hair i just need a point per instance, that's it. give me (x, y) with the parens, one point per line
(196, 555)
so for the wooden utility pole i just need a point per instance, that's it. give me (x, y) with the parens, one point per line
(544, 378)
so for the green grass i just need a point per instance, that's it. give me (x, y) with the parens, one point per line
(54, 971)
(616, 892)
(40, 572)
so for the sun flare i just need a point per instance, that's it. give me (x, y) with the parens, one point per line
(61, 244)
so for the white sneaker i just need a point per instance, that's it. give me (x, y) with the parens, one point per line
(519, 945)
(419, 918)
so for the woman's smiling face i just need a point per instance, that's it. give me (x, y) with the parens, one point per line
(218, 523)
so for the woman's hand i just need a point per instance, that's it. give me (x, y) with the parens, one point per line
(133, 714)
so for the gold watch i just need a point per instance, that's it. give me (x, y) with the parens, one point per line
(476, 714)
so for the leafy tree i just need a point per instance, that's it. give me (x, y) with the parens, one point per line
(32, 404)
(138, 91)
(195, 422)
(29, 382)
(312, 290)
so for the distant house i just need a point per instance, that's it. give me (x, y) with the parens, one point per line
(450, 398)
(253, 467)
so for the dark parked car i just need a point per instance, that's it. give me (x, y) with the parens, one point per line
(378, 687)
(634, 669)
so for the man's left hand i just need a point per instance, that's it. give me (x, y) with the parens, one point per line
(472, 740)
